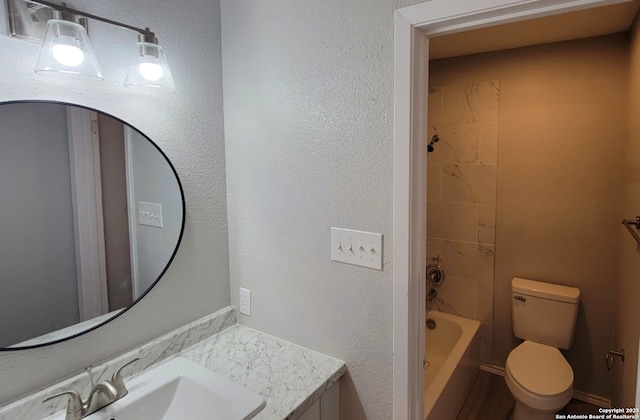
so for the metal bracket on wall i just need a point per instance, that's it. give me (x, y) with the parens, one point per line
(611, 354)
(28, 20)
(628, 222)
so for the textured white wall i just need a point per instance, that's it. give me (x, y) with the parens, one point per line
(309, 145)
(187, 125)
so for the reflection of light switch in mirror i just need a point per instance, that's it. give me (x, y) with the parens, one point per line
(150, 214)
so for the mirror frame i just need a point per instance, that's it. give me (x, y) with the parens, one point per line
(173, 254)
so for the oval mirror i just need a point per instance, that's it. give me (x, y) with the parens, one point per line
(91, 216)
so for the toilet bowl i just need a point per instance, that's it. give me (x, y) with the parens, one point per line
(540, 380)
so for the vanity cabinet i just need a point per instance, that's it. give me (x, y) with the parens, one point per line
(325, 408)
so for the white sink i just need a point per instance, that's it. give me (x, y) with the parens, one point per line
(181, 389)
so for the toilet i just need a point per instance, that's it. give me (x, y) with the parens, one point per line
(537, 374)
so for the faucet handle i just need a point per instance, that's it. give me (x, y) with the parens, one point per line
(117, 380)
(75, 401)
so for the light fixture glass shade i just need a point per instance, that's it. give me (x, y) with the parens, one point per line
(66, 49)
(149, 67)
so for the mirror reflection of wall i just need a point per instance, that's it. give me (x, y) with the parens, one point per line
(71, 253)
(150, 184)
(37, 253)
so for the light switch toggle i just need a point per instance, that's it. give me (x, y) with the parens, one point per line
(364, 248)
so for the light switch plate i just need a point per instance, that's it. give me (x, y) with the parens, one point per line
(356, 247)
(150, 214)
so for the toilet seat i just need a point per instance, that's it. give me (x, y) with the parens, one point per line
(539, 376)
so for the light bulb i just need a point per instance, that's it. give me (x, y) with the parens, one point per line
(66, 51)
(149, 65)
(150, 71)
(68, 55)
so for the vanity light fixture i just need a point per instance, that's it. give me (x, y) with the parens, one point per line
(149, 66)
(66, 48)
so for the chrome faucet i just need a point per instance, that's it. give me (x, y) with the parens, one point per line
(101, 395)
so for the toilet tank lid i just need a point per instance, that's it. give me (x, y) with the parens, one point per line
(545, 290)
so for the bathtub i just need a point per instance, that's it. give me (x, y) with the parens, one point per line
(453, 361)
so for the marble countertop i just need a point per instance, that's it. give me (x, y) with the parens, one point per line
(290, 378)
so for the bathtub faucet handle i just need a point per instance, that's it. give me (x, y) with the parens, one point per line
(433, 293)
(435, 275)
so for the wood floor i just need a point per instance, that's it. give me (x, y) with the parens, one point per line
(490, 399)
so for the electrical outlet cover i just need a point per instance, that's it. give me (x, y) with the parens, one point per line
(245, 301)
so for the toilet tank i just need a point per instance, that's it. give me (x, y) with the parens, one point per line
(544, 313)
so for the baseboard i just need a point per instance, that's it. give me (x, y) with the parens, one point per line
(578, 395)
(592, 399)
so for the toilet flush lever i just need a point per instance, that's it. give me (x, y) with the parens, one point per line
(520, 298)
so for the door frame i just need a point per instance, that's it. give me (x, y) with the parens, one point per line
(86, 194)
(132, 205)
(413, 27)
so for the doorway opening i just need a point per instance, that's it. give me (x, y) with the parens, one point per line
(416, 28)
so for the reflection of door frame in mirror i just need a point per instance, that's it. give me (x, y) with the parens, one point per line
(86, 191)
(131, 204)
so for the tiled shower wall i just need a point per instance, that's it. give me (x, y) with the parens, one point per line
(461, 194)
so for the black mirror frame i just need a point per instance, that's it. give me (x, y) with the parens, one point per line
(173, 254)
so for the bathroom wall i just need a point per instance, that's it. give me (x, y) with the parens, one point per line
(187, 125)
(309, 140)
(562, 134)
(627, 308)
(461, 199)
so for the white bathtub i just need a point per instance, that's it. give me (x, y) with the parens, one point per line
(453, 361)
